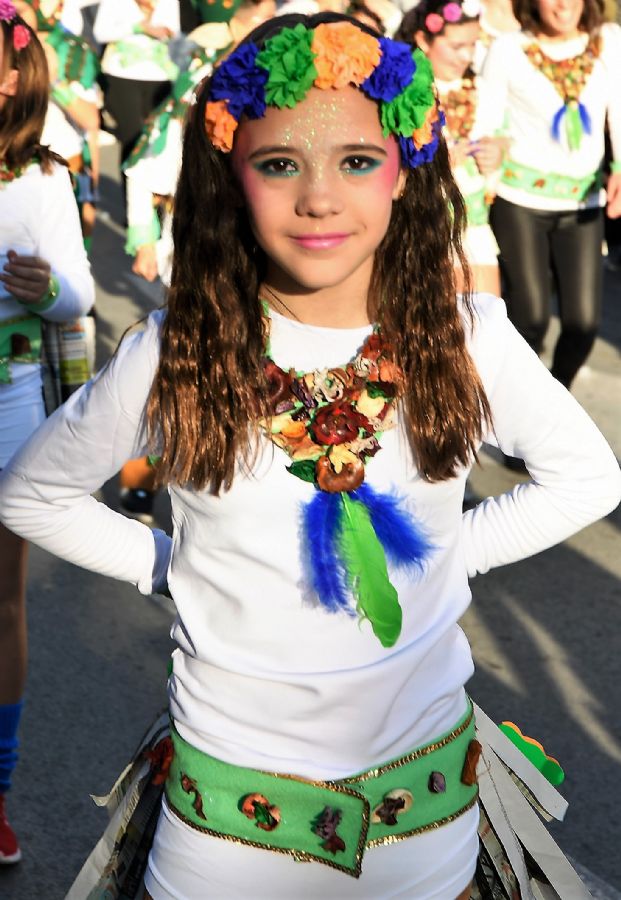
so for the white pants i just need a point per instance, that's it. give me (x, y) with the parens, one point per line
(185, 864)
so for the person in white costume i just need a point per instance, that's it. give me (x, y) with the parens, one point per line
(136, 61)
(44, 274)
(315, 432)
(558, 79)
(153, 166)
(448, 33)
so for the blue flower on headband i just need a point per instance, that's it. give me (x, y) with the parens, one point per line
(241, 82)
(395, 71)
(411, 157)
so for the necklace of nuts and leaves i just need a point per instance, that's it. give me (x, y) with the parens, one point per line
(569, 76)
(329, 421)
(8, 175)
(460, 108)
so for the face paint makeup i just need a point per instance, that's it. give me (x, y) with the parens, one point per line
(319, 182)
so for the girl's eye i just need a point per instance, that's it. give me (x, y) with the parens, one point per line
(360, 165)
(277, 168)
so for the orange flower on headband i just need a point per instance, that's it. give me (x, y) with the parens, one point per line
(345, 55)
(220, 125)
(424, 134)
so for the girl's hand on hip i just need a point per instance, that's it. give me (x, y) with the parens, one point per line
(613, 195)
(27, 278)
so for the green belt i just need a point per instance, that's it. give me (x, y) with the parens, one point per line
(331, 822)
(547, 184)
(20, 342)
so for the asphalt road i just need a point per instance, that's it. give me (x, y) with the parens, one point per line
(545, 634)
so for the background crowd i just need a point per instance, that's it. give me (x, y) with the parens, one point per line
(532, 98)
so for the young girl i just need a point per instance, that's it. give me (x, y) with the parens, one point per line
(448, 33)
(44, 275)
(559, 81)
(316, 393)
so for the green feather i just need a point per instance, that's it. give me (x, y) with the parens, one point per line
(573, 126)
(367, 575)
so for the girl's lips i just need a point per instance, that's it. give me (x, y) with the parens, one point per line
(319, 241)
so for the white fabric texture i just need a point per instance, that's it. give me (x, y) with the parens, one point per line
(39, 217)
(115, 22)
(263, 676)
(531, 102)
(408, 870)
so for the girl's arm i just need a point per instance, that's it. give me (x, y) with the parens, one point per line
(613, 63)
(576, 478)
(58, 251)
(45, 490)
(496, 73)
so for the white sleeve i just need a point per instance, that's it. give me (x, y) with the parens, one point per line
(575, 476)
(45, 489)
(60, 243)
(496, 71)
(490, 112)
(139, 204)
(167, 14)
(115, 20)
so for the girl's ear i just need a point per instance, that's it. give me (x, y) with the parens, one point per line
(8, 86)
(399, 187)
(422, 40)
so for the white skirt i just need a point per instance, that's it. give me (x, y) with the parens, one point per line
(185, 864)
(21, 408)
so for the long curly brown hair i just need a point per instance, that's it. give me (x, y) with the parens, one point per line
(210, 390)
(22, 117)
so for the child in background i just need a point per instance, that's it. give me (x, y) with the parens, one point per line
(316, 392)
(448, 33)
(44, 275)
(153, 166)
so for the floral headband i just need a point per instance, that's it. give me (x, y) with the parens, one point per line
(451, 14)
(332, 55)
(21, 34)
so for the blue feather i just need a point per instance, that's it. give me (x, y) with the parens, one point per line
(585, 118)
(321, 521)
(556, 123)
(403, 540)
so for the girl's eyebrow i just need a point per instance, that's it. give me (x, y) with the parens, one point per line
(346, 148)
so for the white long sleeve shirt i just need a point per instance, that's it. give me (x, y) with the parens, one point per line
(39, 217)
(263, 675)
(531, 102)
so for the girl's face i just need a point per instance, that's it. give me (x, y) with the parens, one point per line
(560, 18)
(452, 52)
(319, 181)
(8, 77)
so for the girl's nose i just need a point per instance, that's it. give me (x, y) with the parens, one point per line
(319, 196)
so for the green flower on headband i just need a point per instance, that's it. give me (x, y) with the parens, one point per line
(290, 62)
(408, 110)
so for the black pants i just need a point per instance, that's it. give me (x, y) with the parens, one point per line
(534, 243)
(130, 102)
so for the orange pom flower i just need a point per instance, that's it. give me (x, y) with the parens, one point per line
(345, 55)
(424, 134)
(220, 125)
